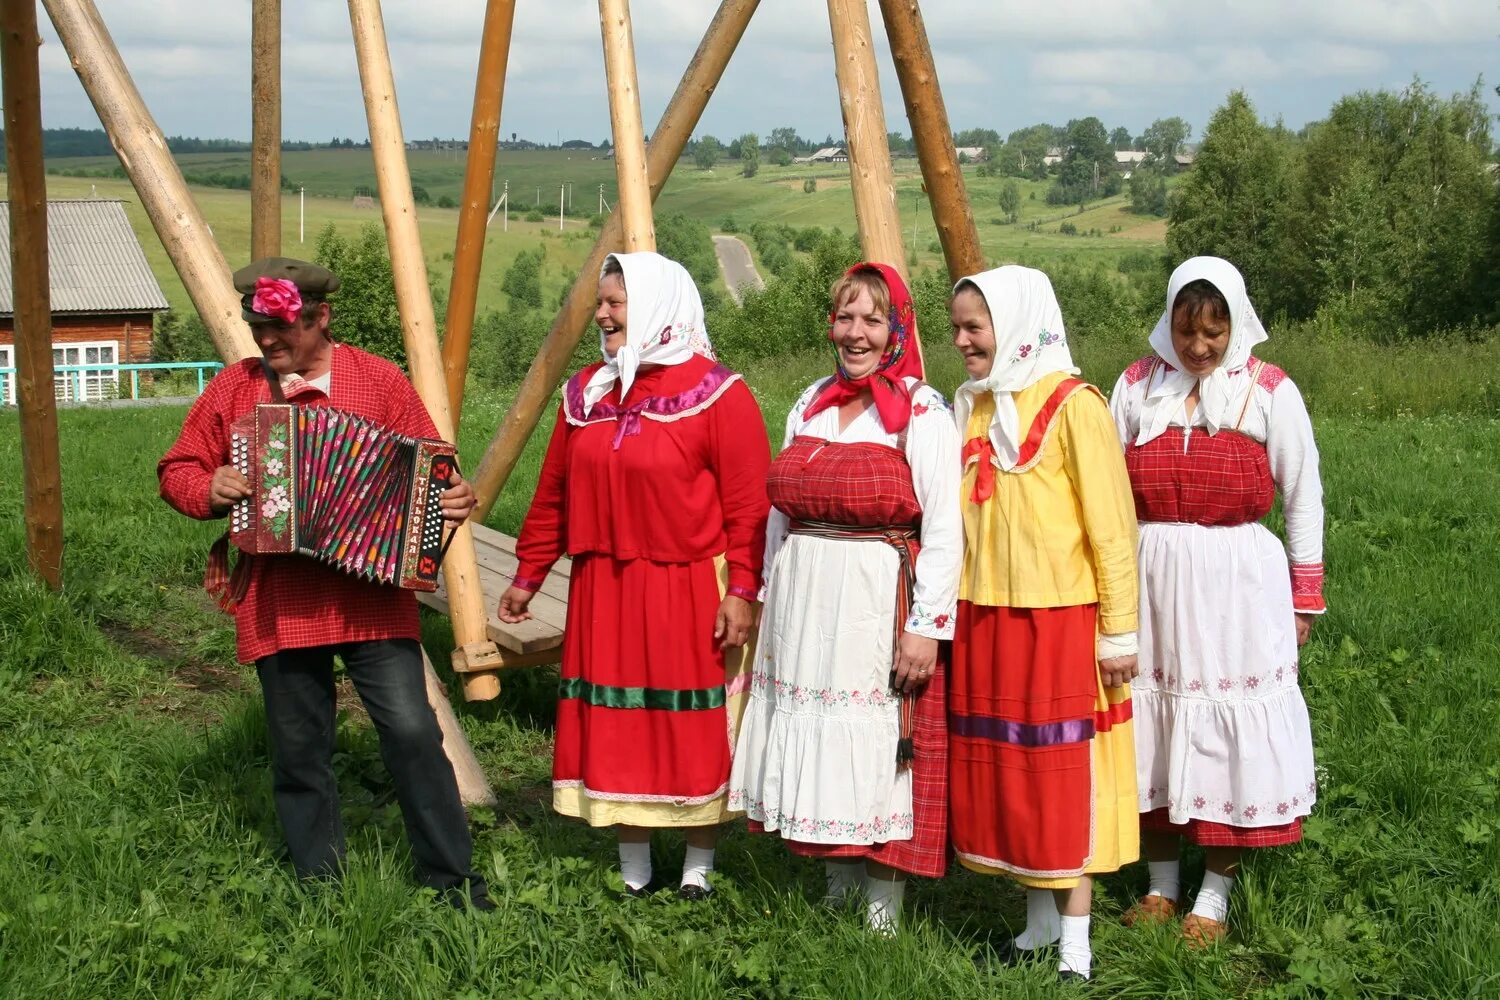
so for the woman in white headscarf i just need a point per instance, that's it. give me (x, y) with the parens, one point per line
(1043, 772)
(654, 484)
(1224, 747)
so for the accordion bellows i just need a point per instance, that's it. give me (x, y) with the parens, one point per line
(342, 489)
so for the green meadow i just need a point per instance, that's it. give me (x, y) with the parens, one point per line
(721, 197)
(140, 852)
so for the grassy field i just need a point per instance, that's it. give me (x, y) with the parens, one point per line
(715, 196)
(139, 849)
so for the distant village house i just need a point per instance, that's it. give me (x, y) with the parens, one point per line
(828, 154)
(104, 296)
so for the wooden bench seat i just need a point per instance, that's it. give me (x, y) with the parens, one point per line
(529, 643)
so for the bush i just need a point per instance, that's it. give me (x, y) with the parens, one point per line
(446, 201)
(364, 307)
(810, 185)
(181, 337)
(728, 224)
(535, 215)
(522, 283)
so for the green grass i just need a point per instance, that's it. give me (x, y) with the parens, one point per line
(139, 849)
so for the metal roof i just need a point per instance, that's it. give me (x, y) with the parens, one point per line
(96, 263)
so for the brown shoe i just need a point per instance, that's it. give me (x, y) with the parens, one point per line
(1201, 932)
(1150, 910)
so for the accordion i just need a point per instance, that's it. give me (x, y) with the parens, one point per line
(342, 489)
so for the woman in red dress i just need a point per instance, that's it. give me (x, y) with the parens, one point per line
(654, 484)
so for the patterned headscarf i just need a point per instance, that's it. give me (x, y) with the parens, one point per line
(1216, 390)
(1030, 343)
(902, 359)
(663, 323)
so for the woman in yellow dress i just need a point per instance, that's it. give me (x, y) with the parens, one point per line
(1042, 749)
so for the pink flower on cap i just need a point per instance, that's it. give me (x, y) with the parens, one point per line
(277, 297)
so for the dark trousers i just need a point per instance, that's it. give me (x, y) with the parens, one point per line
(300, 704)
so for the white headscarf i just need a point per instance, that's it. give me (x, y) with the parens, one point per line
(1216, 391)
(663, 323)
(1030, 344)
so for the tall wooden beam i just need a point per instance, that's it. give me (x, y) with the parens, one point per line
(870, 171)
(634, 203)
(475, 656)
(473, 214)
(143, 153)
(265, 129)
(928, 115)
(667, 143)
(41, 471)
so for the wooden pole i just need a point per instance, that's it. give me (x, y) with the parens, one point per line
(870, 170)
(625, 117)
(42, 506)
(473, 213)
(474, 655)
(667, 143)
(143, 153)
(265, 129)
(473, 787)
(928, 116)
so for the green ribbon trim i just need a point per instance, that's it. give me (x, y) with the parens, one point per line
(606, 696)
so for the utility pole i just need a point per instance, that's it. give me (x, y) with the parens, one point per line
(302, 214)
(562, 205)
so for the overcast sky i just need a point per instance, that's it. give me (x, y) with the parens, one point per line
(1002, 63)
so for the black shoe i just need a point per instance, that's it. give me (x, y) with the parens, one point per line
(694, 893)
(1006, 954)
(458, 898)
(639, 892)
(1067, 976)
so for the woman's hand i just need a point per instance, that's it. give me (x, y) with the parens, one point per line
(916, 657)
(1118, 670)
(513, 605)
(228, 487)
(457, 500)
(732, 623)
(1304, 627)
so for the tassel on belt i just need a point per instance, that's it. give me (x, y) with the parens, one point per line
(902, 538)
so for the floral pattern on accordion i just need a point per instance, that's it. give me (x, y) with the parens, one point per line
(276, 505)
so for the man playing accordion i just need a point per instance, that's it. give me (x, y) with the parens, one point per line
(296, 614)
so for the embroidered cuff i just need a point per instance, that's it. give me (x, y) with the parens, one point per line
(1119, 644)
(1307, 588)
(531, 583)
(743, 592)
(742, 583)
(922, 621)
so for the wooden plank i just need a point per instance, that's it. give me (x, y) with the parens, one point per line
(537, 640)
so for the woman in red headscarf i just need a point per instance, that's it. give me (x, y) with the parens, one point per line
(843, 749)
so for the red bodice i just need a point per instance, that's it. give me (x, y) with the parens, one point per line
(1221, 479)
(863, 485)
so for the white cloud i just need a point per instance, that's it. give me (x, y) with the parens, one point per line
(1003, 63)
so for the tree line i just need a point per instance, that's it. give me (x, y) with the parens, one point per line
(1383, 217)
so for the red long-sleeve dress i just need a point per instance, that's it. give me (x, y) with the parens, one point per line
(293, 601)
(649, 497)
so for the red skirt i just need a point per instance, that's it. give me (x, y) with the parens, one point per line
(1206, 833)
(926, 853)
(640, 713)
(1024, 711)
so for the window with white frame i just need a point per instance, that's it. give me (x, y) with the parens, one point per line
(93, 384)
(7, 382)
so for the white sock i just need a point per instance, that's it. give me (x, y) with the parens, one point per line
(1073, 947)
(1042, 925)
(1165, 879)
(635, 863)
(841, 878)
(1213, 897)
(885, 897)
(696, 866)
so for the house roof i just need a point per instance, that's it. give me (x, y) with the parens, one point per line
(96, 263)
(1133, 157)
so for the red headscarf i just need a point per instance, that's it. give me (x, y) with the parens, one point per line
(901, 359)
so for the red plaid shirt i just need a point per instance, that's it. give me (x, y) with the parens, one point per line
(294, 601)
